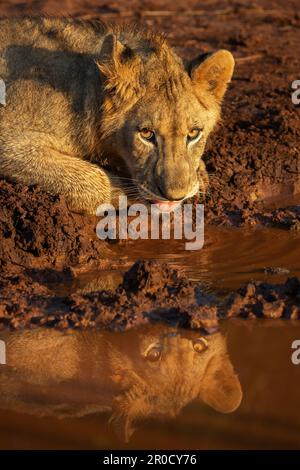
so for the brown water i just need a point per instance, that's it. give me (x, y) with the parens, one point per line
(94, 390)
(60, 391)
(229, 258)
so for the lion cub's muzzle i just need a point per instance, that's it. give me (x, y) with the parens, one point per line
(171, 193)
(176, 189)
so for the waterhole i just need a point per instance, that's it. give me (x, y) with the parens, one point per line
(230, 258)
(151, 389)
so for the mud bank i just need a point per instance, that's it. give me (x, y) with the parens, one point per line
(264, 300)
(43, 245)
(149, 293)
(37, 229)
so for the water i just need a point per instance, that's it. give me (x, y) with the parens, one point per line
(61, 390)
(229, 258)
(150, 388)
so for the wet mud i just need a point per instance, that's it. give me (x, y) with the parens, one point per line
(252, 158)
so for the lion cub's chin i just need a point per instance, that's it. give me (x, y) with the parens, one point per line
(167, 206)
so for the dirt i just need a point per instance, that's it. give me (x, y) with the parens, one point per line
(150, 292)
(37, 229)
(263, 300)
(252, 156)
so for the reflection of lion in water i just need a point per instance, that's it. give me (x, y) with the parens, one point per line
(135, 375)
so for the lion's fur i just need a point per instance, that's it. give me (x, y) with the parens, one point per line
(78, 91)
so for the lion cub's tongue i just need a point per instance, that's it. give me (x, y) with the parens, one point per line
(166, 206)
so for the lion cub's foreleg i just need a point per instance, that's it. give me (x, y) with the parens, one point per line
(84, 185)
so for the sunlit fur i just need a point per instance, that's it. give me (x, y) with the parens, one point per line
(78, 93)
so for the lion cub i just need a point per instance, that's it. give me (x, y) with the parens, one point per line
(93, 112)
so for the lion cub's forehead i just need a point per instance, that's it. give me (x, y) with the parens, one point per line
(179, 113)
(168, 95)
(166, 76)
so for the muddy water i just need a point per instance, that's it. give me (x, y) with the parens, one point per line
(153, 388)
(229, 257)
(93, 390)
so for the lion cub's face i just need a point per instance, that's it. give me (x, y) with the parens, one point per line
(161, 113)
(166, 138)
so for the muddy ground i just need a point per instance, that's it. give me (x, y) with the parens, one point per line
(252, 158)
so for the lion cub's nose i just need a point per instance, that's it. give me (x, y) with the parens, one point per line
(171, 193)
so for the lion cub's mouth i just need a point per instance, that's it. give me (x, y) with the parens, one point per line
(166, 206)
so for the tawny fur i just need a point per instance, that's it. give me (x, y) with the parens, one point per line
(77, 95)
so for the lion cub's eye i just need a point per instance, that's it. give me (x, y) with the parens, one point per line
(200, 345)
(194, 134)
(146, 133)
(154, 353)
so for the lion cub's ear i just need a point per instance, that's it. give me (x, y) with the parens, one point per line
(111, 53)
(120, 68)
(220, 386)
(213, 73)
